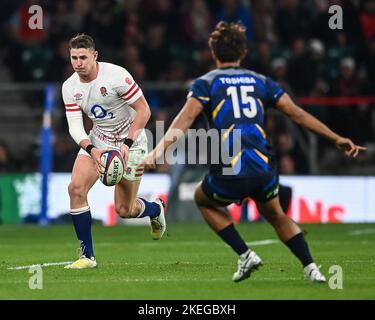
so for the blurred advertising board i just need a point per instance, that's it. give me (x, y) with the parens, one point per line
(324, 199)
(316, 199)
(20, 197)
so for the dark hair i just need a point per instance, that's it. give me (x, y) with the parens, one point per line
(82, 40)
(228, 41)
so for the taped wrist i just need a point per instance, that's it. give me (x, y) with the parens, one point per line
(129, 142)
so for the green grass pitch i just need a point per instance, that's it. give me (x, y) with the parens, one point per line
(190, 262)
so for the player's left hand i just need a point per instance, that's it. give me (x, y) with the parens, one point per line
(124, 150)
(346, 145)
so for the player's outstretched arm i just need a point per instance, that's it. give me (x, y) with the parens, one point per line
(177, 129)
(308, 121)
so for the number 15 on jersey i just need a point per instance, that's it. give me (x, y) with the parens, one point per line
(243, 101)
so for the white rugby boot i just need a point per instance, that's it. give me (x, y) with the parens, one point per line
(82, 263)
(247, 263)
(313, 273)
(158, 224)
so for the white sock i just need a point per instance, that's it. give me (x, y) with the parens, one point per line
(79, 210)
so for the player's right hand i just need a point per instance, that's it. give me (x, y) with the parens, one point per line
(346, 145)
(96, 154)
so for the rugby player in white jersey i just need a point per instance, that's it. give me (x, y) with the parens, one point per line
(115, 103)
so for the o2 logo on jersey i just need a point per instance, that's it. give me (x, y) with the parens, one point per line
(100, 113)
(246, 99)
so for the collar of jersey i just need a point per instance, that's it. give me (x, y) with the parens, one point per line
(223, 68)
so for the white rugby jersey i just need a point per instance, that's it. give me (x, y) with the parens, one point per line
(106, 100)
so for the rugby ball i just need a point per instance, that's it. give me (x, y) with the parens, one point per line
(114, 168)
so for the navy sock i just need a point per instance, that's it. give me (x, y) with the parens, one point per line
(151, 209)
(300, 249)
(82, 226)
(233, 239)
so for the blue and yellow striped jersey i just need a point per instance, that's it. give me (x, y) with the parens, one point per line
(236, 98)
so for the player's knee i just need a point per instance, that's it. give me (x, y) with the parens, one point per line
(76, 190)
(271, 216)
(124, 211)
(274, 217)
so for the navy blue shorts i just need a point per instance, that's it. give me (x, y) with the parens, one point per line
(231, 189)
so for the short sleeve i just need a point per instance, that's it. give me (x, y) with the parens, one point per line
(200, 90)
(273, 91)
(125, 86)
(71, 107)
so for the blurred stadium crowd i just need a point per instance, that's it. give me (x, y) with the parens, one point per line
(166, 40)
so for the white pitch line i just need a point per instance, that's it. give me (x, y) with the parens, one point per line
(262, 242)
(252, 243)
(361, 231)
(41, 265)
